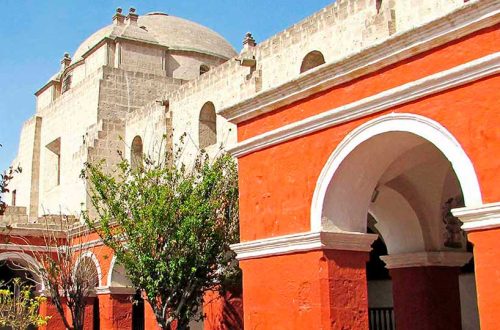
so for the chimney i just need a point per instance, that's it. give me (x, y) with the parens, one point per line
(132, 16)
(66, 61)
(248, 41)
(118, 18)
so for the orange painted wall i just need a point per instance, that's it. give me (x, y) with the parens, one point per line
(277, 183)
(445, 57)
(487, 263)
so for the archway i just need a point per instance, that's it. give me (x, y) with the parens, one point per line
(207, 134)
(136, 152)
(399, 176)
(88, 275)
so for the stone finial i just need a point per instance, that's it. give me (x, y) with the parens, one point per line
(118, 18)
(132, 16)
(66, 61)
(249, 41)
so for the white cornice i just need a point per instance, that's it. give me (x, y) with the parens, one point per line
(486, 216)
(464, 21)
(426, 259)
(115, 290)
(303, 242)
(429, 85)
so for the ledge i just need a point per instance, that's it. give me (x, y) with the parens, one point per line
(486, 216)
(426, 259)
(115, 290)
(303, 242)
(462, 22)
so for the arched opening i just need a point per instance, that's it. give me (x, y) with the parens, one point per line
(136, 152)
(399, 178)
(312, 60)
(19, 265)
(88, 276)
(204, 69)
(208, 126)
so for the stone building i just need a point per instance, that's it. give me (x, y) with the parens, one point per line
(366, 138)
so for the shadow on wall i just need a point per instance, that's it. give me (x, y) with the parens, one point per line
(224, 312)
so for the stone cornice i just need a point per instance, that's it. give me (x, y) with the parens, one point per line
(466, 20)
(426, 259)
(457, 76)
(303, 242)
(486, 216)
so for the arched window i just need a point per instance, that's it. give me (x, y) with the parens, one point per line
(136, 152)
(208, 126)
(204, 69)
(312, 60)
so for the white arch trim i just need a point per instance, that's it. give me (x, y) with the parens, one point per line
(421, 126)
(26, 258)
(110, 271)
(91, 255)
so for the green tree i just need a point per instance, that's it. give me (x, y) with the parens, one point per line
(18, 309)
(170, 225)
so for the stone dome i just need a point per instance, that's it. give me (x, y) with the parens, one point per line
(165, 30)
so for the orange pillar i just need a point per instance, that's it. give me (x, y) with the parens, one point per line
(306, 281)
(487, 271)
(49, 309)
(482, 224)
(149, 317)
(88, 322)
(115, 311)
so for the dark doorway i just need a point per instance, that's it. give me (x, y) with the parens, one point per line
(138, 312)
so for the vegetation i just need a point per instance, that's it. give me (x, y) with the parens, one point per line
(170, 225)
(18, 309)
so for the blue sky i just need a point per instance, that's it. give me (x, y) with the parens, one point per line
(35, 34)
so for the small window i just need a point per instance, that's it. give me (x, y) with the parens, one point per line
(14, 195)
(312, 60)
(208, 126)
(136, 152)
(66, 85)
(204, 69)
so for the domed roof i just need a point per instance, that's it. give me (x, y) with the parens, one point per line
(165, 30)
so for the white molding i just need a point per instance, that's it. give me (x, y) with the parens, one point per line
(27, 248)
(426, 259)
(464, 21)
(303, 242)
(444, 80)
(486, 216)
(426, 128)
(115, 290)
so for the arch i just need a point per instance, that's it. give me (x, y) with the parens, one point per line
(204, 69)
(23, 257)
(118, 275)
(312, 60)
(419, 126)
(208, 126)
(136, 152)
(90, 255)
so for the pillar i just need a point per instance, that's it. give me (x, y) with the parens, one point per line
(115, 308)
(482, 224)
(306, 281)
(149, 317)
(56, 322)
(425, 288)
(88, 322)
